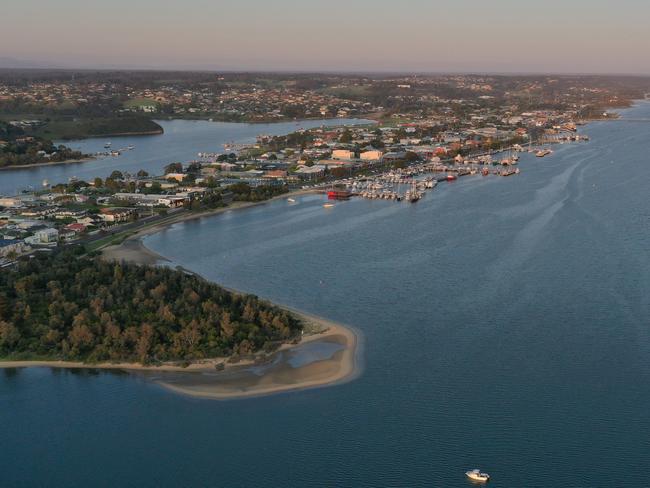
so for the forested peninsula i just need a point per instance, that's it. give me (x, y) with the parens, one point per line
(72, 307)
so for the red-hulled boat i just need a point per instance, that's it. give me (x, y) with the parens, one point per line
(338, 195)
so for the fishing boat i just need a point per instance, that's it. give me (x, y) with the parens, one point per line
(476, 475)
(338, 194)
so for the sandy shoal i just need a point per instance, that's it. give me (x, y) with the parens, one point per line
(341, 367)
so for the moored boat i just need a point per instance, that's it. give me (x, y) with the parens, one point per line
(338, 194)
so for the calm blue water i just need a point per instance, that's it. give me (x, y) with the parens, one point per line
(182, 141)
(506, 324)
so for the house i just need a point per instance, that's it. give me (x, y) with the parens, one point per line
(394, 155)
(75, 228)
(152, 200)
(278, 173)
(175, 176)
(47, 235)
(334, 163)
(9, 246)
(67, 213)
(10, 202)
(117, 215)
(310, 172)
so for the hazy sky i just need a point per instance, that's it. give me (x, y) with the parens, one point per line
(601, 36)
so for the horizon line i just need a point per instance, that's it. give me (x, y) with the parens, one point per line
(132, 69)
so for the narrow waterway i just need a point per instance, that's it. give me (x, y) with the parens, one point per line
(181, 141)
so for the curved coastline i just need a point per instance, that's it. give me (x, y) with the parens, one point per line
(341, 367)
(240, 382)
(237, 380)
(216, 378)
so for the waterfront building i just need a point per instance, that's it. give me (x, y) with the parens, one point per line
(372, 155)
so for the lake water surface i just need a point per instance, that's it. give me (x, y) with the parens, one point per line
(506, 324)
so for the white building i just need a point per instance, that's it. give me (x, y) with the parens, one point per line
(47, 236)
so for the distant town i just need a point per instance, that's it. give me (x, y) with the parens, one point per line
(448, 125)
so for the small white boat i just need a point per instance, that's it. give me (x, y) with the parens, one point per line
(476, 475)
(328, 205)
(291, 200)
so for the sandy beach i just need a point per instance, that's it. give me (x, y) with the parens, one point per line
(244, 381)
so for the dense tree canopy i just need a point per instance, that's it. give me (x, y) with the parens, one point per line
(82, 308)
(244, 192)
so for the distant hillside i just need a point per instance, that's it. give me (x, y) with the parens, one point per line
(99, 127)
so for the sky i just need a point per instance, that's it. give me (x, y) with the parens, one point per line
(497, 36)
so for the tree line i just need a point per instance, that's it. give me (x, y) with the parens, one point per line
(67, 306)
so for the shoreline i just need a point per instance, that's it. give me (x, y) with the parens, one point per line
(51, 163)
(120, 251)
(341, 367)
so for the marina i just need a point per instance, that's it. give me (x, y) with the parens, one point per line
(411, 184)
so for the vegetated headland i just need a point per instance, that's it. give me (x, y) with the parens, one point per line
(71, 310)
